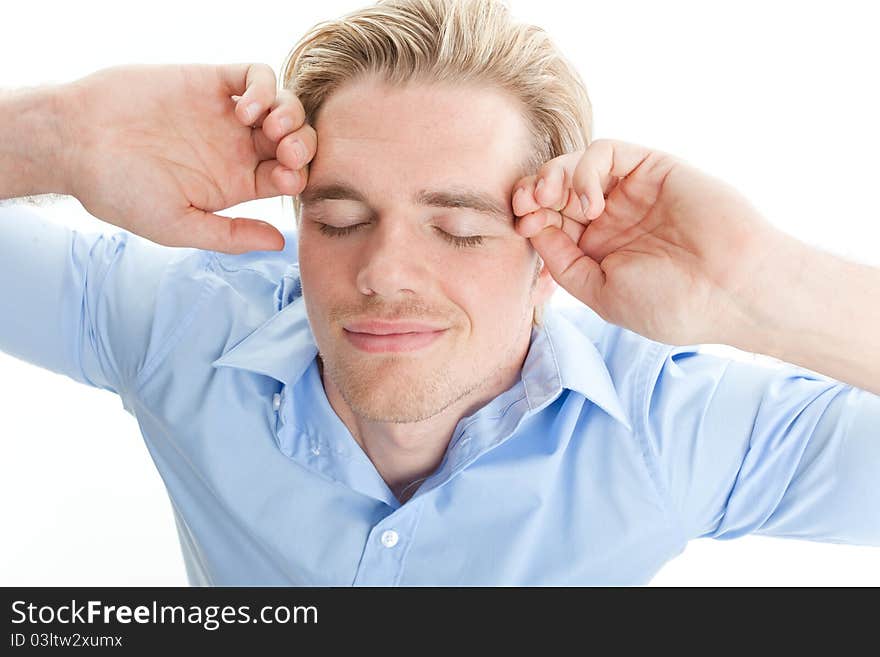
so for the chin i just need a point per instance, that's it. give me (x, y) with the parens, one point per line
(393, 404)
(393, 388)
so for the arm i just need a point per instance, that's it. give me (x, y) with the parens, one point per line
(822, 312)
(93, 307)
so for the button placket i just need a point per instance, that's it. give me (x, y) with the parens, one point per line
(386, 548)
(278, 412)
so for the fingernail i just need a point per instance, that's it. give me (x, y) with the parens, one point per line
(252, 111)
(539, 185)
(585, 204)
(299, 150)
(286, 124)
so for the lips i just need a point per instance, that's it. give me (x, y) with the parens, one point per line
(377, 336)
(381, 327)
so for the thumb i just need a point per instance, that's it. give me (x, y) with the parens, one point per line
(212, 232)
(575, 271)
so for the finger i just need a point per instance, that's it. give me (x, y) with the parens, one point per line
(271, 178)
(523, 197)
(572, 207)
(551, 190)
(587, 184)
(604, 162)
(533, 223)
(264, 147)
(255, 83)
(524, 203)
(576, 272)
(286, 116)
(212, 232)
(297, 149)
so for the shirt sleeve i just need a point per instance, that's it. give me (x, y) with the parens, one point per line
(745, 447)
(86, 305)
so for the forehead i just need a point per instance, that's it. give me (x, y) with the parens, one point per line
(396, 139)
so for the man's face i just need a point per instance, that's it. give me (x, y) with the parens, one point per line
(391, 161)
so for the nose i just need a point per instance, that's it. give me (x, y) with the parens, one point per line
(392, 260)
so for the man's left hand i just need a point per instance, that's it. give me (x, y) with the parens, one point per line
(663, 249)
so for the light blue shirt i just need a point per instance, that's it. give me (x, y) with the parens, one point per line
(596, 468)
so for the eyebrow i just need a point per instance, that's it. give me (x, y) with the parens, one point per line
(455, 197)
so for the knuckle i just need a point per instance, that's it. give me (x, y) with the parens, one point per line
(581, 176)
(263, 82)
(546, 170)
(526, 183)
(297, 107)
(278, 103)
(291, 106)
(264, 70)
(302, 178)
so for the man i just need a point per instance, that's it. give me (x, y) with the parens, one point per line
(380, 402)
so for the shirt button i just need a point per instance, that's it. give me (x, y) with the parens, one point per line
(276, 401)
(389, 538)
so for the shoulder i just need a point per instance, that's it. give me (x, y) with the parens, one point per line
(624, 352)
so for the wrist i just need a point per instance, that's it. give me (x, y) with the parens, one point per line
(35, 142)
(775, 303)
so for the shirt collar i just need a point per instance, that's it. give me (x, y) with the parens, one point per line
(281, 347)
(561, 355)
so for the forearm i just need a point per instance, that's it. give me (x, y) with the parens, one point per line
(32, 142)
(818, 311)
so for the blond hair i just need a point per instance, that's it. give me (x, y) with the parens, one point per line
(468, 41)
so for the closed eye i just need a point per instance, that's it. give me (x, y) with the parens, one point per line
(333, 231)
(457, 241)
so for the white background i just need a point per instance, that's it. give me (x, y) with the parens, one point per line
(779, 99)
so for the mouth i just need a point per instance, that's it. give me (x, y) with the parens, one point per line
(392, 342)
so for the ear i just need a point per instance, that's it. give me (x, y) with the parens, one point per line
(545, 285)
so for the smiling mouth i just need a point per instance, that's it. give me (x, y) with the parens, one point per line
(393, 342)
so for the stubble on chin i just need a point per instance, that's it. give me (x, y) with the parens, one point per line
(397, 391)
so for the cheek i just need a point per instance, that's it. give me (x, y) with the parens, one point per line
(318, 259)
(493, 292)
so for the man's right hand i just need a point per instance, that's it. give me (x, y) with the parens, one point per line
(158, 149)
